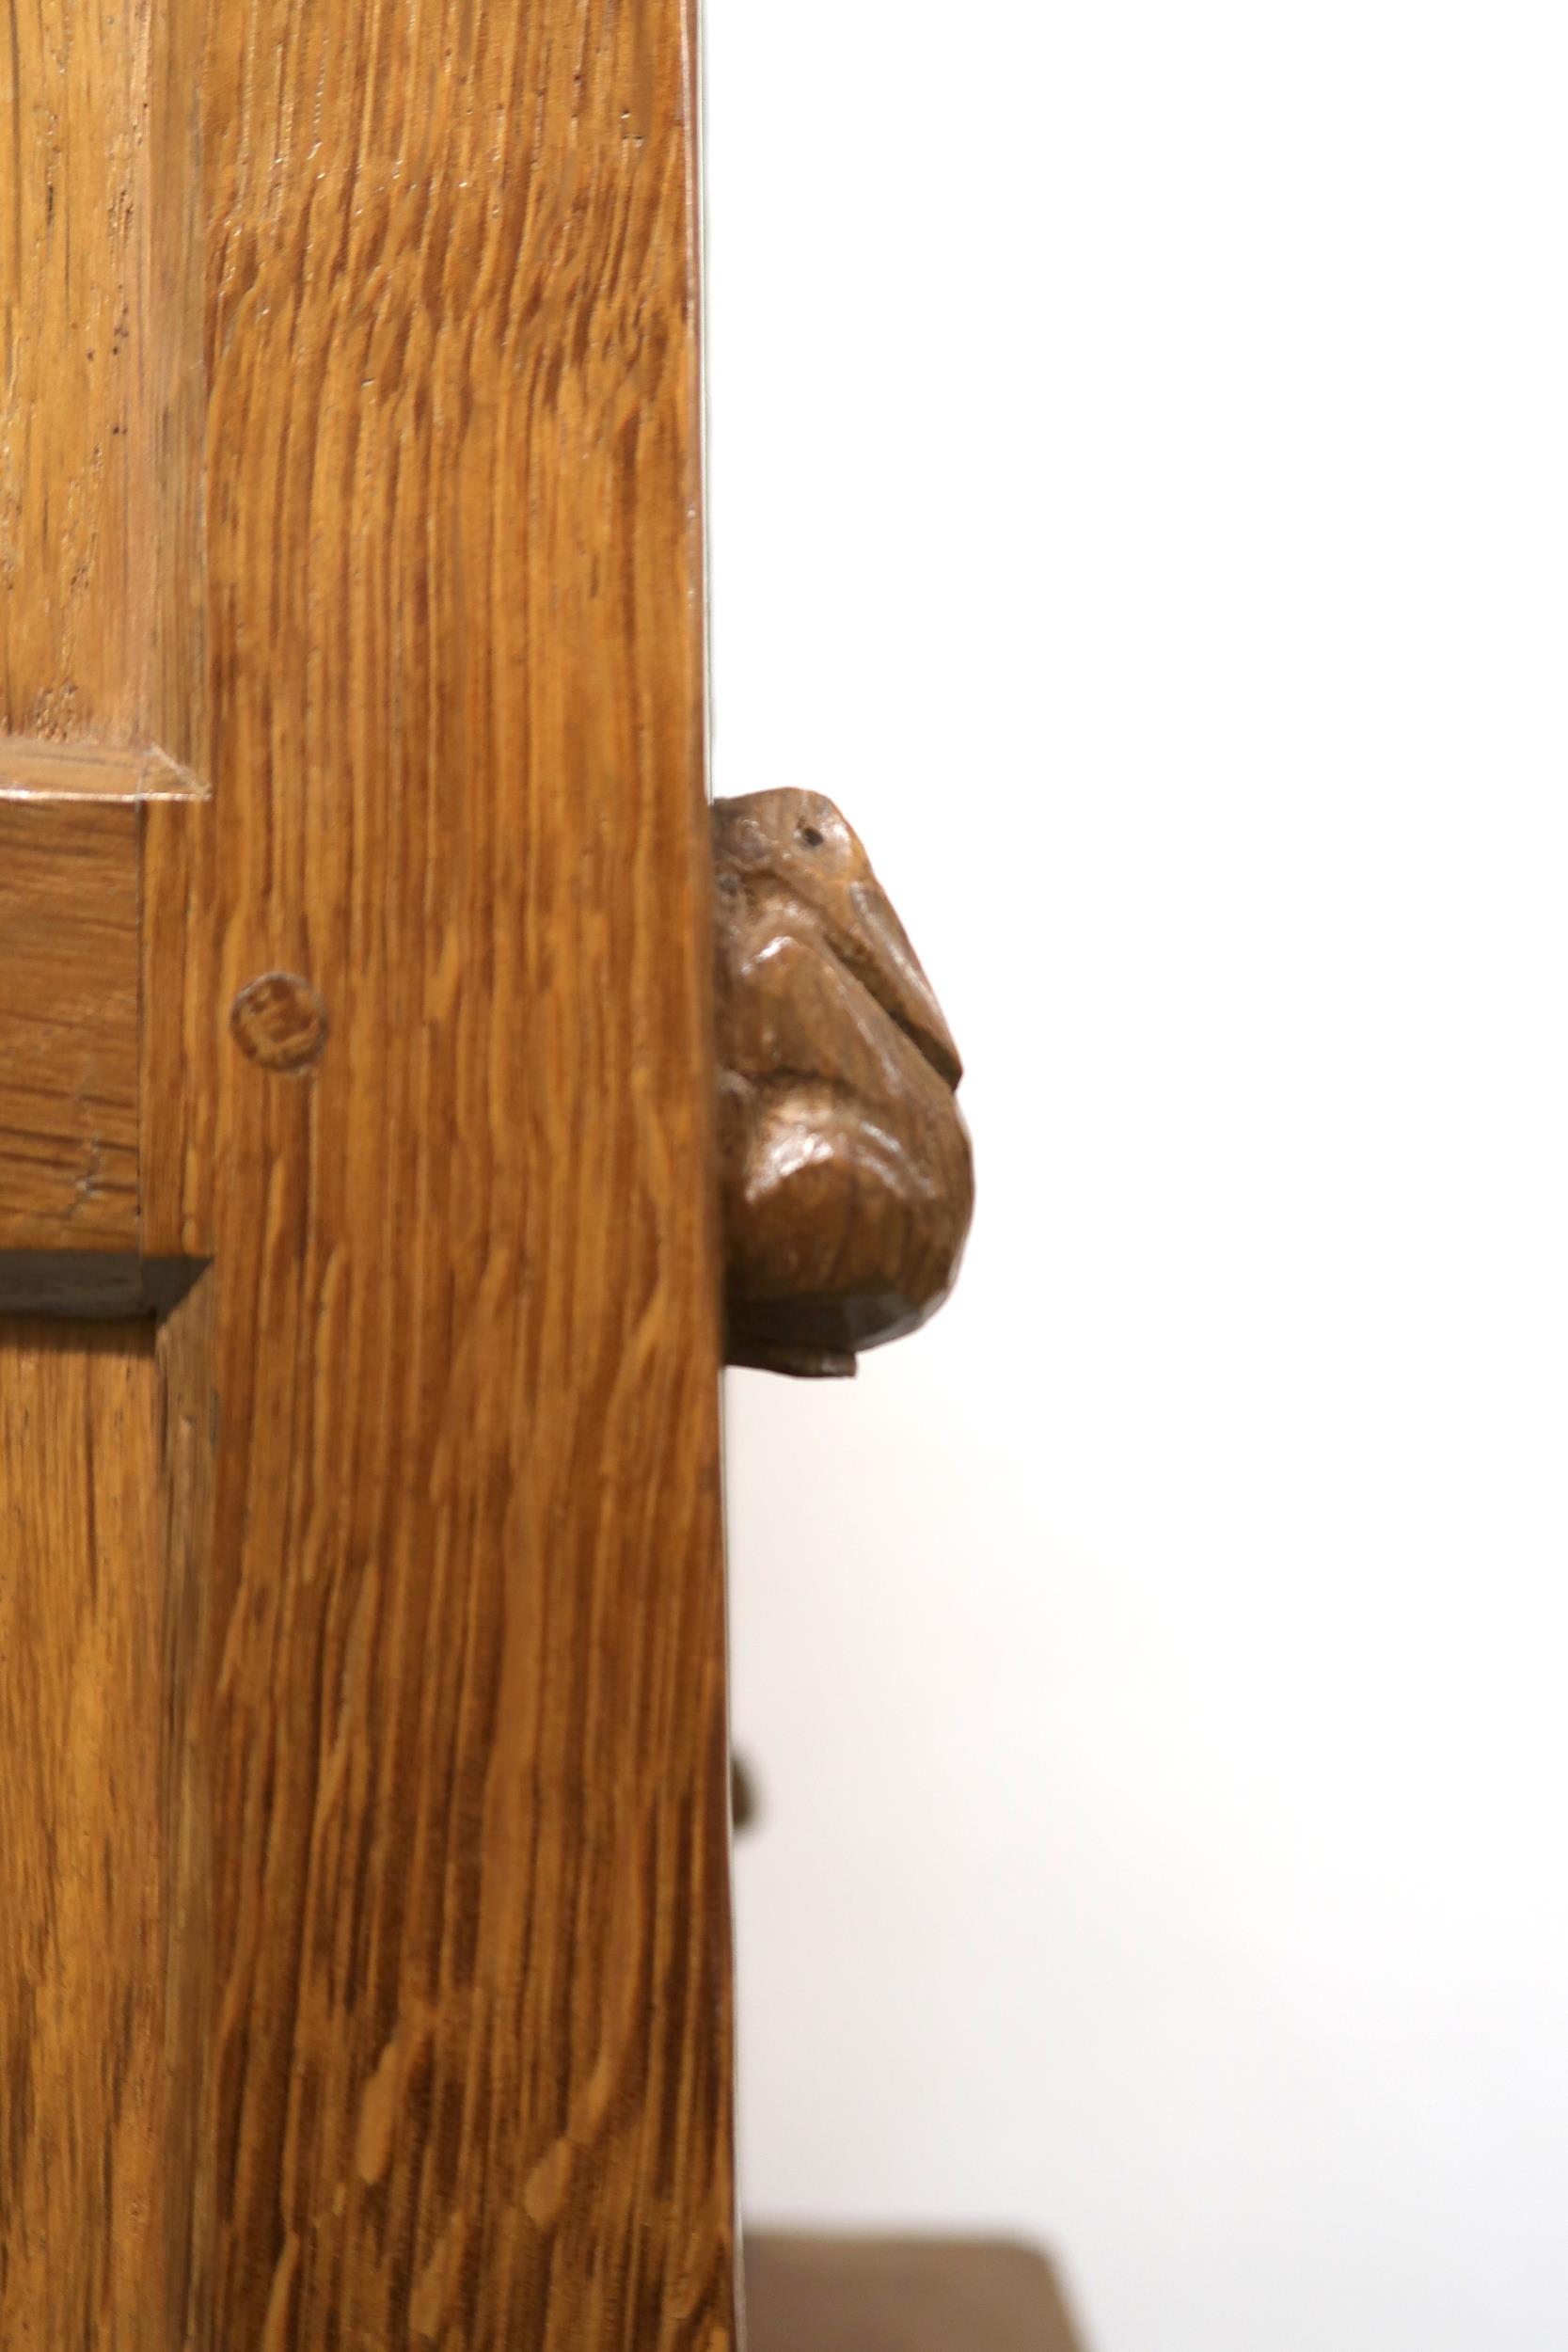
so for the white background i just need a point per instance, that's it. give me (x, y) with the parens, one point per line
(1139, 492)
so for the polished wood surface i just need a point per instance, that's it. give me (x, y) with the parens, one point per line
(35, 768)
(424, 1775)
(70, 975)
(93, 1091)
(471, 1944)
(83, 1892)
(178, 1044)
(809, 2293)
(100, 393)
(105, 1850)
(845, 1168)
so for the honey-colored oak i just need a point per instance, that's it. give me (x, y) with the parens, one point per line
(94, 1103)
(376, 507)
(70, 975)
(101, 608)
(82, 1887)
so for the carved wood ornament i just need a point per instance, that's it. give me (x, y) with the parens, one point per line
(844, 1166)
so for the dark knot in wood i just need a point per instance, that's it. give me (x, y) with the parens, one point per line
(844, 1162)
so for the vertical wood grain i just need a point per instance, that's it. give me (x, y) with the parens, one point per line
(183, 2214)
(106, 1447)
(100, 372)
(169, 413)
(179, 1029)
(470, 1896)
(106, 1980)
(418, 1713)
(72, 635)
(82, 1892)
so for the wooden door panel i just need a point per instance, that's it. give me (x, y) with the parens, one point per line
(410, 591)
(70, 977)
(83, 1893)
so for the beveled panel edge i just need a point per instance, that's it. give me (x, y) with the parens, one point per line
(36, 768)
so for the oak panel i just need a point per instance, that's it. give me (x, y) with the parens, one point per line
(416, 1981)
(82, 1892)
(70, 975)
(106, 1438)
(104, 1119)
(102, 386)
(73, 627)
